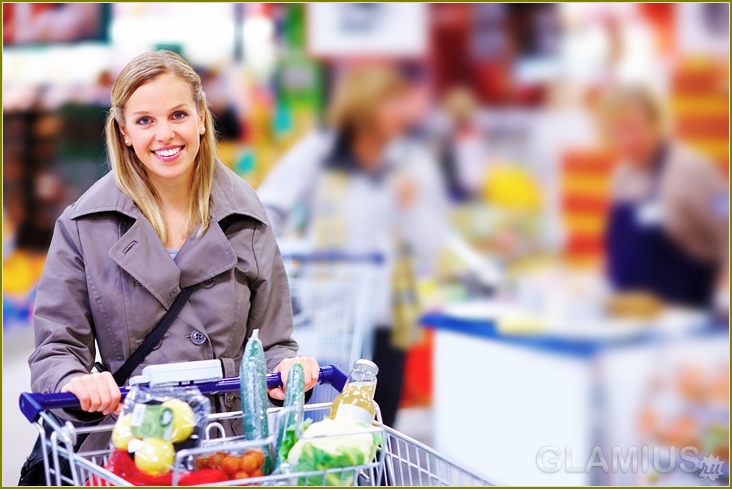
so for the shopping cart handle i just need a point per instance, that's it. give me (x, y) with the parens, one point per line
(32, 403)
(335, 256)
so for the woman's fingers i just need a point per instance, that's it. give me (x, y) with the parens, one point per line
(277, 393)
(113, 393)
(96, 392)
(312, 372)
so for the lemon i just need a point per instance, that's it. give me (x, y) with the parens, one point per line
(155, 456)
(122, 432)
(183, 421)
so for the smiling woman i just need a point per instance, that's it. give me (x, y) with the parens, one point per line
(109, 278)
(159, 114)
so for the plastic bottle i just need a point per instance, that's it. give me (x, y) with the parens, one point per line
(356, 402)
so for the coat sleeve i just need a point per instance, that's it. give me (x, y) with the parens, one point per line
(424, 223)
(64, 336)
(271, 309)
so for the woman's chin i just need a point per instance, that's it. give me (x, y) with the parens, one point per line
(169, 172)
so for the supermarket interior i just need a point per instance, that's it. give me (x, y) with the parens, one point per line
(543, 188)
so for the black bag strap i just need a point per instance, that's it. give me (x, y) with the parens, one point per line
(156, 335)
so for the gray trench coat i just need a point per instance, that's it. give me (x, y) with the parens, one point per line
(109, 278)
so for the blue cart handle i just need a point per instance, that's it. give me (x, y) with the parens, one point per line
(32, 403)
(336, 257)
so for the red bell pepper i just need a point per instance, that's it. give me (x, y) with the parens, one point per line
(204, 476)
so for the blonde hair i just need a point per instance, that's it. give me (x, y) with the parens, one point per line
(129, 172)
(622, 98)
(359, 91)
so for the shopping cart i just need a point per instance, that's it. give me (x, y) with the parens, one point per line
(400, 460)
(331, 301)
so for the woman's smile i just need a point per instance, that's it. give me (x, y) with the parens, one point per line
(168, 153)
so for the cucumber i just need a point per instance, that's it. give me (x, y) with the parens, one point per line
(294, 397)
(253, 378)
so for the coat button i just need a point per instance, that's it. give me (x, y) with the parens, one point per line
(208, 283)
(197, 338)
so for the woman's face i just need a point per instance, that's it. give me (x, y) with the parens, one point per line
(162, 125)
(391, 117)
(633, 134)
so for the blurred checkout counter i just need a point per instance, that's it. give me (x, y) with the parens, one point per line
(541, 384)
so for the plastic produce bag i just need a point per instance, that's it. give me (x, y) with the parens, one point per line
(157, 421)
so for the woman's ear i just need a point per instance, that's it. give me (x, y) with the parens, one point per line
(202, 125)
(124, 136)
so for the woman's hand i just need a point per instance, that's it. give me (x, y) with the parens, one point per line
(97, 392)
(310, 367)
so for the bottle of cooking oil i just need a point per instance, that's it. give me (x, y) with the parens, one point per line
(356, 402)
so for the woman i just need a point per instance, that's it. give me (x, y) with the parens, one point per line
(121, 254)
(365, 190)
(668, 223)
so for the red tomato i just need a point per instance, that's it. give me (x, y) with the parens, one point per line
(257, 455)
(248, 463)
(240, 475)
(230, 464)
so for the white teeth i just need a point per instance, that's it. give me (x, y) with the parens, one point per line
(168, 152)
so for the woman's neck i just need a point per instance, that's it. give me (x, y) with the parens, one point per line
(174, 194)
(367, 149)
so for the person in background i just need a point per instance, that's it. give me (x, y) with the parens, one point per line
(365, 189)
(667, 231)
(462, 153)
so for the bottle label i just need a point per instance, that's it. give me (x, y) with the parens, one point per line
(354, 413)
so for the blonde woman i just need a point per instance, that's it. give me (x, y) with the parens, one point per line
(366, 189)
(668, 225)
(121, 254)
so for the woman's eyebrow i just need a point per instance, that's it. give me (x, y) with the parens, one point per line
(145, 112)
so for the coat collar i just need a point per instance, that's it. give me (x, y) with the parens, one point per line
(230, 194)
(141, 253)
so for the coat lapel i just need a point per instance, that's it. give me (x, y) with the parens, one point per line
(141, 254)
(204, 257)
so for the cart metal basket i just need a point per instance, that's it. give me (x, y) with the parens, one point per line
(399, 461)
(331, 302)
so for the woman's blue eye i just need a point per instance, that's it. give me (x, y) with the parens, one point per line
(179, 115)
(143, 120)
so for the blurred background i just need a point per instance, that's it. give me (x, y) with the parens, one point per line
(506, 104)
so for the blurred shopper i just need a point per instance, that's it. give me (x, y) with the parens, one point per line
(668, 226)
(463, 152)
(169, 221)
(366, 189)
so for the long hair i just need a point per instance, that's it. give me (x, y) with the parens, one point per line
(129, 172)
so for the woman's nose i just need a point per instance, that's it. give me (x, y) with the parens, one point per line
(164, 132)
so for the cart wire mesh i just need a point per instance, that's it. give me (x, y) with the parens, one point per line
(399, 461)
(331, 312)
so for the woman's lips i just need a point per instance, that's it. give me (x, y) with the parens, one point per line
(168, 154)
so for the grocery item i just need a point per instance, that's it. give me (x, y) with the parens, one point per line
(294, 398)
(154, 456)
(253, 378)
(202, 477)
(332, 444)
(232, 465)
(156, 421)
(183, 420)
(122, 432)
(356, 402)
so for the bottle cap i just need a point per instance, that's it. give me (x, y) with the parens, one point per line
(367, 364)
